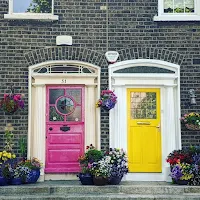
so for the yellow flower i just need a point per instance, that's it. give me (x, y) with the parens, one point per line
(9, 155)
(13, 156)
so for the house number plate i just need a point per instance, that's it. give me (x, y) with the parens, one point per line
(64, 81)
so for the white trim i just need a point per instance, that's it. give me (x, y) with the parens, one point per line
(75, 62)
(24, 16)
(177, 16)
(37, 85)
(142, 62)
(169, 85)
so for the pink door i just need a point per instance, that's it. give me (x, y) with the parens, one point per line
(64, 128)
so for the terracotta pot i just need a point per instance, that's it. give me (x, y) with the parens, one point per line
(99, 180)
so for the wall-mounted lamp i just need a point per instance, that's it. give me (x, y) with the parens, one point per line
(192, 97)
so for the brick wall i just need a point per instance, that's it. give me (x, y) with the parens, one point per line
(130, 27)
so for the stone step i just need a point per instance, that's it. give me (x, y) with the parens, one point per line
(66, 187)
(103, 197)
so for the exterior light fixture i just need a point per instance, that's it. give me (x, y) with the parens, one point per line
(192, 97)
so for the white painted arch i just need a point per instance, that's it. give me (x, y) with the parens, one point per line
(169, 85)
(37, 102)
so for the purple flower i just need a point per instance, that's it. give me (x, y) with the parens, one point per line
(196, 159)
(176, 172)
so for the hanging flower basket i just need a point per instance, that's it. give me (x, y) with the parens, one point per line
(191, 121)
(107, 100)
(11, 103)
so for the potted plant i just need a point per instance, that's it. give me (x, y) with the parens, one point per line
(191, 121)
(119, 165)
(91, 155)
(181, 173)
(185, 166)
(15, 172)
(11, 103)
(6, 155)
(101, 171)
(33, 167)
(107, 100)
(4, 173)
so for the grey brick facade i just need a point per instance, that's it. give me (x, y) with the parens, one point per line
(131, 31)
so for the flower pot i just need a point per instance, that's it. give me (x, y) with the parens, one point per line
(3, 181)
(114, 180)
(86, 179)
(99, 180)
(32, 176)
(182, 182)
(16, 181)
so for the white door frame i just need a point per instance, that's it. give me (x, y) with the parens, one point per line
(37, 102)
(169, 84)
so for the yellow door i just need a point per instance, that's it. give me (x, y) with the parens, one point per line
(144, 137)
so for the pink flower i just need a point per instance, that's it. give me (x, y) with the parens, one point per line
(89, 165)
(5, 96)
(17, 97)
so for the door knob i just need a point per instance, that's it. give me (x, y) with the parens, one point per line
(50, 128)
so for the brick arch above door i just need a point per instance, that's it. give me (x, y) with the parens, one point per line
(65, 53)
(151, 53)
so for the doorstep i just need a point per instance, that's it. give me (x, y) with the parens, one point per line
(73, 190)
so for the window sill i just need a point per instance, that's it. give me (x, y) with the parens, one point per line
(177, 18)
(27, 16)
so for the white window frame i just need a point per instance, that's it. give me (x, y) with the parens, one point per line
(177, 16)
(36, 16)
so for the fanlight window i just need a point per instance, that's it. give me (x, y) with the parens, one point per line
(144, 69)
(65, 68)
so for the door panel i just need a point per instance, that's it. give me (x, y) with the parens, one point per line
(65, 128)
(144, 137)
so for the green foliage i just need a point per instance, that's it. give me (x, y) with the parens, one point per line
(94, 155)
(90, 156)
(9, 138)
(22, 146)
(40, 6)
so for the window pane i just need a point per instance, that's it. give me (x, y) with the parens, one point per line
(189, 6)
(75, 93)
(143, 105)
(168, 6)
(54, 94)
(54, 115)
(76, 115)
(65, 105)
(33, 6)
(178, 6)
